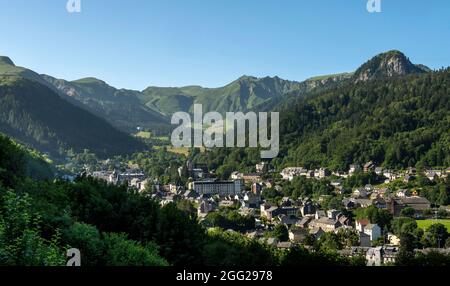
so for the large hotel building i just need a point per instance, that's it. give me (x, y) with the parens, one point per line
(221, 188)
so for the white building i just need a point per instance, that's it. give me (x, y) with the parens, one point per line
(372, 230)
(291, 172)
(381, 255)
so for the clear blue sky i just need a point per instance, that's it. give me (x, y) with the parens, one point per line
(137, 43)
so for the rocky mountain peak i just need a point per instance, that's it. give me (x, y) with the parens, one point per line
(385, 65)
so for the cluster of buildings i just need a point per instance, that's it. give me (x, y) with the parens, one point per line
(390, 175)
(383, 198)
(134, 177)
(303, 217)
(290, 173)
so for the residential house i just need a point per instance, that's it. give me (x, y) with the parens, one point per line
(379, 170)
(326, 224)
(393, 239)
(317, 232)
(263, 167)
(251, 200)
(363, 203)
(394, 206)
(291, 172)
(287, 220)
(381, 255)
(360, 224)
(285, 245)
(304, 222)
(379, 203)
(340, 174)
(349, 203)
(308, 209)
(373, 230)
(323, 173)
(332, 214)
(297, 235)
(419, 204)
(310, 174)
(245, 211)
(343, 220)
(431, 175)
(390, 175)
(190, 194)
(226, 203)
(286, 202)
(354, 169)
(320, 214)
(403, 193)
(360, 193)
(252, 178)
(268, 211)
(256, 189)
(290, 211)
(205, 208)
(369, 166)
(364, 240)
(336, 184)
(236, 176)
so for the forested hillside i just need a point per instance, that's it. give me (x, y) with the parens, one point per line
(120, 107)
(116, 226)
(34, 114)
(397, 122)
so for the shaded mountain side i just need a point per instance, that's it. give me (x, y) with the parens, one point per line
(120, 107)
(17, 160)
(38, 116)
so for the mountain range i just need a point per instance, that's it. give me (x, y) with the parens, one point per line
(33, 112)
(42, 110)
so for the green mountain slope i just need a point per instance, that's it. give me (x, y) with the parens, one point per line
(244, 94)
(120, 107)
(8, 68)
(38, 116)
(397, 122)
(17, 160)
(398, 117)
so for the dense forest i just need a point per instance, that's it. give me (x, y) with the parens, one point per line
(396, 123)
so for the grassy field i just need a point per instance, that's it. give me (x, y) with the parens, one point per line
(424, 224)
(178, 150)
(144, 135)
